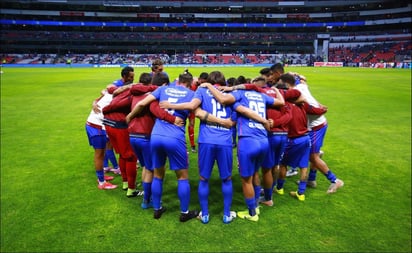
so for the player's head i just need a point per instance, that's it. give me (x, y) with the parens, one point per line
(145, 78)
(186, 78)
(259, 81)
(287, 80)
(203, 77)
(157, 66)
(160, 79)
(266, 72)
(241, 80)
(127, 74)
(277, 70)
(231, 81)
(216, 77)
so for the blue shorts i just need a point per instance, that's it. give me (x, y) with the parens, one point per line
(169, 147)
(316, 139)
(141, 147)
(251, 152)
(209, 153)
(97, 137)
(297, 152)
(277, 145)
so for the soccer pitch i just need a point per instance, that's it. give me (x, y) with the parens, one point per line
(50, 202)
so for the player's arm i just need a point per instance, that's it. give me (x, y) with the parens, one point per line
(315, 110)
(253, 115)
(192, 105)
(161, 113)
(279, 101)
(223, 98)
(139, 107)
(121, 89)
(95, 106)
(207, 117)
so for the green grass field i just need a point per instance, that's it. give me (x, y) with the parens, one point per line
(50, 202)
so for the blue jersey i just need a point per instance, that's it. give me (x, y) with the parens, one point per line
(212, 133)
(118, 83)
(173, 94)
(257, 102)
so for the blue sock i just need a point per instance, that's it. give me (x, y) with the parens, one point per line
(268, 193)
(203, 193)
(227, 191)
(251, 205)
(100, 175)
(312, 175)
(302, 187)
(157, 190)
(280, 183)
(147, 188)
(330, 176)
(105, 161)
(183, 191)
(112, 157)
(257, 193)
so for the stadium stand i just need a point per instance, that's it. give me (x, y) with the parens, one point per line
(200, 32)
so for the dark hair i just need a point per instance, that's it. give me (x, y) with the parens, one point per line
(265, 71)
(126, 70)
(204, 75)
(160, 78)
(288, 78)
(241, 80)
(156, 63)
(216, 77)
(277, 67)
(145, 78)
(186, 78)
(231, 81)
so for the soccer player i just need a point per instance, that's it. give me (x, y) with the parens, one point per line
(116, 128)
(127, 77)
(298, 147)
(277, 136)
(140, 129)
(317, 125)
(97, 139)
(215, 144)
(253, 142)
(169, 141)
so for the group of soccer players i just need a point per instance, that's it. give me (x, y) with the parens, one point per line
(278, 124)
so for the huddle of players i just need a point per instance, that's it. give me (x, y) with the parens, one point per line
(272, 133)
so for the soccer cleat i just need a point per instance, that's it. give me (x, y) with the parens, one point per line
(107, 169)
(134, 193)
(300, 197)
(335, 186)
(280, 191)
(189, 215)
(117, 171)
(310, 184)
(228, 219)
(146, 205)
(158, 213)
(245, 215)
(265, 202)
(194, 149)
(108, 178)
(291, 172)
(203, 218)
(106, 186)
